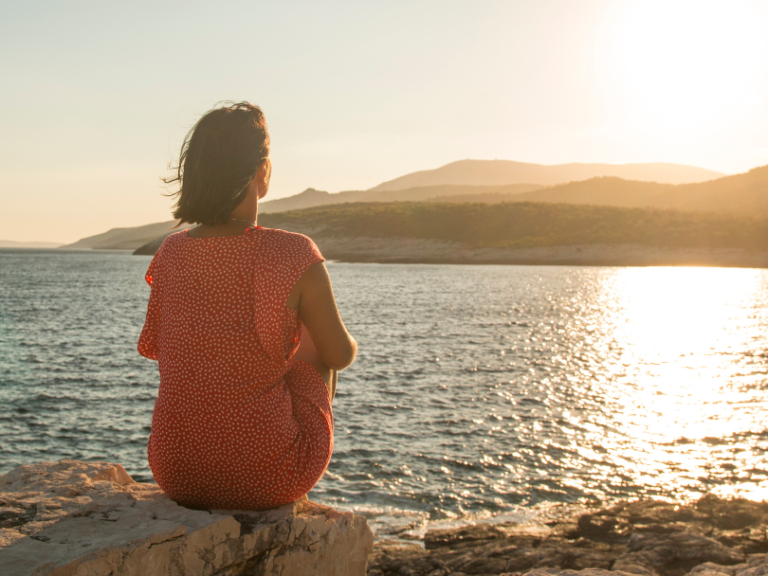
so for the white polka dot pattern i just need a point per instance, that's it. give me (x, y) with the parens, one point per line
(238, 423)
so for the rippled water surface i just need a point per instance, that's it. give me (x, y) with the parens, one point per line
(478, 390)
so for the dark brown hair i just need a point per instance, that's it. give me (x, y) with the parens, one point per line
(219, 158)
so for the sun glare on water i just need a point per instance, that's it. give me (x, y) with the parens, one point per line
(687, 65)
(681, 329)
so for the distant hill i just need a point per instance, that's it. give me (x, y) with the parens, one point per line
(311, 197)
(603, 191)
(741, 193)
(525, 232)
(526, 224)
(123, 238)
(745, 194)
(529, 233)
(15, 244)
(307, 199)
(498, 172)
(467, 177)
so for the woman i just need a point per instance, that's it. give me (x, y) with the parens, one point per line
(244, 325)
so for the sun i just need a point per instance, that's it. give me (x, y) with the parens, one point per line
(685, 64)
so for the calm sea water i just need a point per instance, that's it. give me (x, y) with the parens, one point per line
(478, 390)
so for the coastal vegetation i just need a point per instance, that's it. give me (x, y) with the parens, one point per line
(527, 224)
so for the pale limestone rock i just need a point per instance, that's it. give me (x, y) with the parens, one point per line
(756, 565)
(709, 568)
(90, 519)
(584, 572)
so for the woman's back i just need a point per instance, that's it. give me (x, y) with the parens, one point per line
(238, 423)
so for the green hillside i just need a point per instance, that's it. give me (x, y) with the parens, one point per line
(527, 224)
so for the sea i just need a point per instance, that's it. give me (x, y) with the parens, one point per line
(480, 393)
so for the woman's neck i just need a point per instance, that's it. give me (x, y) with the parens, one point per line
(239, 221)
(242, 217)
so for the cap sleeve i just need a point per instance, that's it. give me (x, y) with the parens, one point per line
(152, 269)
(284, 258)
(147, 345)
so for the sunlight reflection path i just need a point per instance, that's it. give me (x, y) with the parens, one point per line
(681, 374)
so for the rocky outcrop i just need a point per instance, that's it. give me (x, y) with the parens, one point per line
(711, 537)
(89, 519)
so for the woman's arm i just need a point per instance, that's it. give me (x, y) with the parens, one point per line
(313, 297)
(308, 353)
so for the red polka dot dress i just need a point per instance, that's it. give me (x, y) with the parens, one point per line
(238, 423)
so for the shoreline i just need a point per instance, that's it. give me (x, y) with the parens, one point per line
(410, 527)
(402, 250)
(645, 537)
(93, 517)
(421, 251)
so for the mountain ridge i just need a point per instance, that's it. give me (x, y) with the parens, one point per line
(312, 197)
(496, 172)
(122, 238)
(744, 194)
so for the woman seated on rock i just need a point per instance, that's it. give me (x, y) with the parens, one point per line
(244, 325)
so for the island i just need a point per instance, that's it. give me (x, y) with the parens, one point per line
(523, 233)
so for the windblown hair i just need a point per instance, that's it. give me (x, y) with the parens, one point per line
(219, 158)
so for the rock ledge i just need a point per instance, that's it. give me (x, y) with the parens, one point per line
(92, 519)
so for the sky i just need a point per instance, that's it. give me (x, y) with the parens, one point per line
(97, 96)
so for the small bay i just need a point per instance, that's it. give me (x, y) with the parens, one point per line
(478, 390)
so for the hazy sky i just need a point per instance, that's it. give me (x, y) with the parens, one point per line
(96, 96)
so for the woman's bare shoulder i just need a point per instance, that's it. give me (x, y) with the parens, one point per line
(278, 235)
(290, 244)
